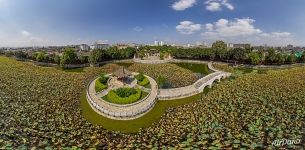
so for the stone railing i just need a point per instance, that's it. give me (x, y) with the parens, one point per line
(151, 61)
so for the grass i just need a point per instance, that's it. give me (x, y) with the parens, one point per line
(133, 126)
(99, 86)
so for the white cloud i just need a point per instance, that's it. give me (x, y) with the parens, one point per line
(213, 6)
(216, 5)
(188, 27)
(209, 27)
(183, 4)
(137, 29)
(25, 33)
(276, 34)
(244, 31)
(226, 28)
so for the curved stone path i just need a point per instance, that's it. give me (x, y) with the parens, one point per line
(121, 112)
(197, 87)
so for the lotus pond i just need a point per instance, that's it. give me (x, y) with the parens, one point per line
(43, 108)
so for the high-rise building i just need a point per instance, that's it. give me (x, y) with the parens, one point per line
(156, 43)
(161, 43)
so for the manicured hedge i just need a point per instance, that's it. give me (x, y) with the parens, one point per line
(144, 82)
(99, 86)
(112, 97)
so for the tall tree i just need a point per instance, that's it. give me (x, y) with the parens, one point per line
(96, 56)
(254, 58)
(220, 47)
(303, 57)
(271, 56)
(291, 58)
(69, 57)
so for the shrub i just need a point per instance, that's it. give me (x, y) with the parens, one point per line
(99, 86)
(103, 79)
(113, 97)
(162, 82)
(140, 77)
(125, 92)
(144, 82)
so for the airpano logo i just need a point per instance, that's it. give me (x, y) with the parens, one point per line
(283, 142)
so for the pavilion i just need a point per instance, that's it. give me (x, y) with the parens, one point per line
(123, 75)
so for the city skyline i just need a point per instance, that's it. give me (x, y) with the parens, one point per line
(47, 23)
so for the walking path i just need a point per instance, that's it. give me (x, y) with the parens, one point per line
(197, 87)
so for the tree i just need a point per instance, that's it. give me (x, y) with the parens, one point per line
(254, 58)
(271, 56)
(303, 57)
(220, 48)
(69, 57)
(21, 55)
(291, 58)
(237, 54)
(57, 59)
(83, 59)
(96, 56)
(8, 53)
(280, 58)
(40, 57)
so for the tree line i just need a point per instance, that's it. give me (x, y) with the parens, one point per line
(70, 56)
(218, 52)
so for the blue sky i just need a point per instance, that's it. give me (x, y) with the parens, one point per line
(61, 22)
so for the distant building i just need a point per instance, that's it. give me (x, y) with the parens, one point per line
(161, 43)
(289, 47)
(158, 43)
(244, 46)
(230, 45)
(122, 46)
(84, 47)
(100, 45)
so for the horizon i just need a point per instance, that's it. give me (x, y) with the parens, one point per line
(56, 23)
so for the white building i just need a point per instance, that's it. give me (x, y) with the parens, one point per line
(100, 45)
(158, 43)
(84, 47)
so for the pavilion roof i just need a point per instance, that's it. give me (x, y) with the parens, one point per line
(122, 72)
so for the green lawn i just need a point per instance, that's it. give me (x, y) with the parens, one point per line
(99, 86)
(132, 126)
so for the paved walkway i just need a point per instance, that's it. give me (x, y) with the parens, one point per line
(197, 87)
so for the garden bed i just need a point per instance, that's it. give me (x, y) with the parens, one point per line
(115, 97)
